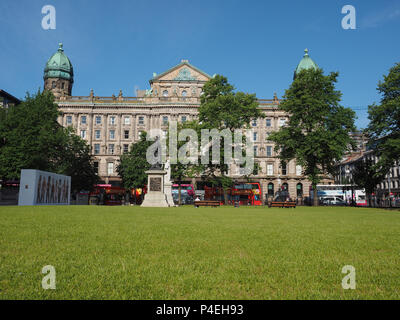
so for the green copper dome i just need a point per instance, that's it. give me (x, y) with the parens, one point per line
(59, 66)
(305, 63)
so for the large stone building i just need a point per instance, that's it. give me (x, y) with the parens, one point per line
(111, 124)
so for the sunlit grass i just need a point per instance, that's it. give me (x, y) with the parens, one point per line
(204, 253)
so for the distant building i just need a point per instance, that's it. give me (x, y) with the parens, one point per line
(112, 124)
(389, 186)
(7, 100)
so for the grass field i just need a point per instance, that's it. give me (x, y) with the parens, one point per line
(205, 253)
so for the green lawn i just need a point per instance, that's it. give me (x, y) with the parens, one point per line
(205, 253)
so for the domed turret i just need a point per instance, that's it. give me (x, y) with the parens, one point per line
(59, 74)
(305, 64)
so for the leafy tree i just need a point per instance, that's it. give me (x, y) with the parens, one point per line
(317, 133)
(384, 127)
(179, 171)
(365, 176)
(31, 138)
(133, 165)
(75, 160)
(223, 108)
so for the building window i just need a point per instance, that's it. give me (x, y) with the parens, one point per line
(285, 187)
(141, 120)
(83, 134)
(284, 169)
(96, 167)
(267, 136)
(270, 169)
(127, 121)
(83, 120)
(97, 134)
(69, 120)
(126, 148)
(254, 123)
(165, 120)
(126, 134)
(282, 122)
(164, 134)
(139, 134)
(98, 120)
(270, 189)
(53, 84)
(112, 134)
(62, 85)
(110, 168)
(299, 189)
(254, 136)
(96, 148)
(184, 93)
(255, 151)
(111, 148)
(112, 120)
(165, 93)
(298, 170)
(269, 151)
(183, 119)
(268, 123)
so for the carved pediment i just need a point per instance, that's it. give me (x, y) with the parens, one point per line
(182, 72)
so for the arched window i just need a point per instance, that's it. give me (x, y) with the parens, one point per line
(184, 93)
(270, 189)
(299, 189)
(285, 187)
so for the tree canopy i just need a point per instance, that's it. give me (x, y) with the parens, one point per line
(31, 138)
(317, 132)
(133, 165)
(384, 127)
(365, 176)
(224, 108)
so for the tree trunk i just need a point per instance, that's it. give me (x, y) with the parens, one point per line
(179, 194)
(225, 196)
(315, 194)
(369, 200)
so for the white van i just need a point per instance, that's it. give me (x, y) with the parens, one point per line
(332, 201)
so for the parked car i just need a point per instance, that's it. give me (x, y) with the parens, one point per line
(332, 201)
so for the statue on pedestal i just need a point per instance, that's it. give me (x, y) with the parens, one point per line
(168, 184)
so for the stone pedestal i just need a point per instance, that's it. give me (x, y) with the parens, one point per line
(155, 196)
(168, 193)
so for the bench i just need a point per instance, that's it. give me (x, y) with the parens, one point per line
(282, 204)
(206, 203)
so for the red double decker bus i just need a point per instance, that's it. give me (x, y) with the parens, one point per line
(107, 195)
(244, 193)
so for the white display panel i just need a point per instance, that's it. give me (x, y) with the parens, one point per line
(43, 188)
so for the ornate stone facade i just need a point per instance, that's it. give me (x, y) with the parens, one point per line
(111, 124)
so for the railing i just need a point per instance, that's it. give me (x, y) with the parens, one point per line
(149, 99)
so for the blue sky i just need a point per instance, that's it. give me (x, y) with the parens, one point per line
(118, 44)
